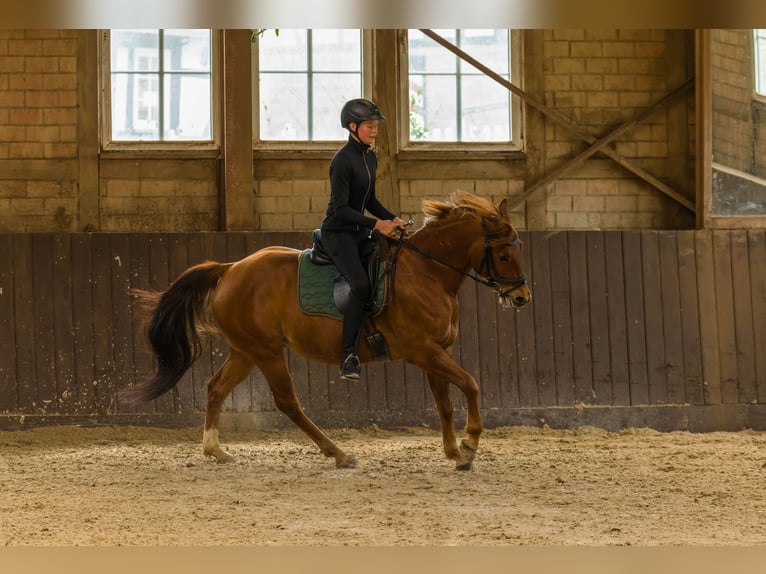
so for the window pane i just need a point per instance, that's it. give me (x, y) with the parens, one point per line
(284, 106)
(425, 55)
(135, 107)
(161, 94)
(135, 50)
(187, 107)
(305, 77)
(760, 61)
(490, 47)
(187, 50)
(454, 102)
(337, 50)
(439, 108)
(486, 110)
(331, 91)
(286, 52)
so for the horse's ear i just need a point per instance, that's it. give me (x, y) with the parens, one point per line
(503, 209)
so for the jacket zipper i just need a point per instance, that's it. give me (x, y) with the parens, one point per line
(369, 183)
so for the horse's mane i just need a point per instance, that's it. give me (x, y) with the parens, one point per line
(462, 203)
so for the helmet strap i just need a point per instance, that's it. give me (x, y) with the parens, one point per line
(355, 131)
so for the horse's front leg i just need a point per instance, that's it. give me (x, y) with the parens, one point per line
(442, 370)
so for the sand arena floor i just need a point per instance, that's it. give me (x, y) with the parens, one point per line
(145, 486)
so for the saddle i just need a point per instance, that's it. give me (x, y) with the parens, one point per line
(374, 256)
(322, 290)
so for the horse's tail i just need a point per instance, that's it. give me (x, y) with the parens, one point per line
(177, 317)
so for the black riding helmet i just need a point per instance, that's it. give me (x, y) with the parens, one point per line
(359, 110)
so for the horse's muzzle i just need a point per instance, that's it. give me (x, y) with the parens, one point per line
(515, 298)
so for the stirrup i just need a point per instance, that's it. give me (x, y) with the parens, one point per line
(349, 370)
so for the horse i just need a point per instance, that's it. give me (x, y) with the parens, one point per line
(254, 302)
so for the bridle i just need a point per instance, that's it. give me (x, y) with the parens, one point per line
(491, 279)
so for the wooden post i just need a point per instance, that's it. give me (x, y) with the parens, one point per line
(88, 130)
(704, 122)
(237, 212)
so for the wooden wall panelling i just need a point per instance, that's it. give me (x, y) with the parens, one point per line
(545, 374)
(635, 319)
(598, 309)
(711, 365)
(159, 279)
(140, 278)
(42, 289)
(82, 314)
(727, 342)
(103, 326)
(525, 334)
(671, 323)
(618, 318)
(8, 325)
(690, 325)
(743, 318)
(558, 247)
(582, 346)
(26, 375)
(757, 251)
(64, 326)
(656, 364)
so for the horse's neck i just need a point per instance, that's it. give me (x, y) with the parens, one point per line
(448, 241)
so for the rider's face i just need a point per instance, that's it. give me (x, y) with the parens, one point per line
(367, 131)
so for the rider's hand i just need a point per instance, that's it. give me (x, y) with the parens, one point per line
(387, 227)
(400, 223)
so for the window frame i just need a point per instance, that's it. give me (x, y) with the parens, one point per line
(206, 148)
(368, 73)
(516, 144)
(758, 64)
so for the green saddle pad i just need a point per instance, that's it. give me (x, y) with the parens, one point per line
(315, 285)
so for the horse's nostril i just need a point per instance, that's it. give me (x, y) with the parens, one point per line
(520, 301)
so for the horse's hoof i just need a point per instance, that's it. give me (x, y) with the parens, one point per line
(465, 466)
(468, 451)
(220, 456)
(346, 462)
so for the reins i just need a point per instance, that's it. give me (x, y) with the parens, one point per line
(490, 281)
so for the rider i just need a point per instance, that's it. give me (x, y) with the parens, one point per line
(345, 227)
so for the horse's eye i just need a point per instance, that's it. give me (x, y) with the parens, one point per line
(504, 258)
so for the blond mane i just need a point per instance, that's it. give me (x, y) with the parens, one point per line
(462, 203)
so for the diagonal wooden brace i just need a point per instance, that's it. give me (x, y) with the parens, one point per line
(596, 145)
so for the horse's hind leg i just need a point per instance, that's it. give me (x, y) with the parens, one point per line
(234, 369)
(281, 385)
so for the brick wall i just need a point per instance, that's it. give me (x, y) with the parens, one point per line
(599, 79)
(732, 72)
(158, 195)
(38, 130)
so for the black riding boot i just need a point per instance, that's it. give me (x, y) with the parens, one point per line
(352, 323)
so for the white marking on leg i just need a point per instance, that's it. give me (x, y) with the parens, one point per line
(210, 441)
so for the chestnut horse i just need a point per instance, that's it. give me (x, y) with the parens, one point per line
(255, 304)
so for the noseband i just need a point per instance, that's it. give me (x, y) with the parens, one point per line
(488, 262)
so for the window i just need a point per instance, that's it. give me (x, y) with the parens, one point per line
(450, 100)
(305, 76)
(760, 61)
(161, 85)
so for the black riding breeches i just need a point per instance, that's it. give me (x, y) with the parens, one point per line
(343, 249)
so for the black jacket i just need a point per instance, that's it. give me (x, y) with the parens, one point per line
(352, 189)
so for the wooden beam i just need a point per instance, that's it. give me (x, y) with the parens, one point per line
(88, 217)
(704, 121)
(237, 193)
(600, 144)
